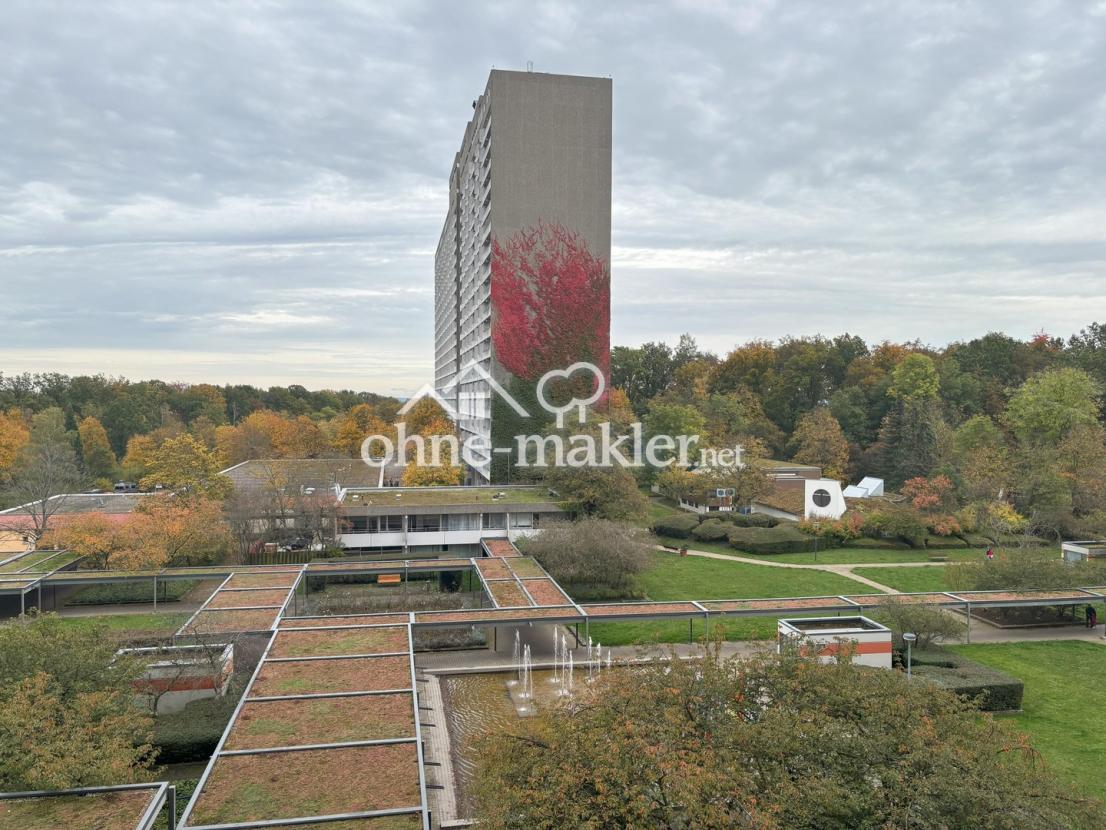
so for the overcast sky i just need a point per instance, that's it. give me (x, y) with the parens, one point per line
(253, 191)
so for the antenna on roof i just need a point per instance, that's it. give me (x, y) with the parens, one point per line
(529, 66)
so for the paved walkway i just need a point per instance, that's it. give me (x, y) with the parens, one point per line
(841, 570)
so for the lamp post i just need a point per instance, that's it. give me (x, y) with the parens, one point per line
(909, 639)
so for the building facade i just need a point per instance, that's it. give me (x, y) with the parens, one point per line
(522, 268)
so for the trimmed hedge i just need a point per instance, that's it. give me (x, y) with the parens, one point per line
(678, 526)
(994, 691)
(712, 530)
(780, 539)
(754, 520)
(192, 733)
(127, 592)
(944, 542)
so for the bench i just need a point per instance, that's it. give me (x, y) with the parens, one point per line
(389, 579)
(938, 559)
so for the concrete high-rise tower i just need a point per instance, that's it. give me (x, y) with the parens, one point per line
(522, 270)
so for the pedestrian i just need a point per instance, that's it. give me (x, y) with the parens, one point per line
(990, 554)
(1092, 616)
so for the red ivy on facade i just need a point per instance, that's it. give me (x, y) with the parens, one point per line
(551, 298)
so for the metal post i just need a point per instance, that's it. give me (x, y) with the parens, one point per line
(968, 637)
(172, 807)
(22, 603)
(155, 592)
(40, 597)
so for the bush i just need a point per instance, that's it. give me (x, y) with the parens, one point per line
(753, 520)
(192, 733)
(712, 530)
(594, 554)
(931, 625)
(780, 539)
(896, 524)
(993, 690)
(167, 591)
(678, 525)
(944, 542)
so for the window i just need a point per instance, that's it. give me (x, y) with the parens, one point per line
(495, 521)
(522, 520)
(359, 524)
(424, 524)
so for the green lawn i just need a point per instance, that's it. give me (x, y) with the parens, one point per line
(908, 580)
(833, 556)
(128, 626)
(675, 577)
(1061, 711)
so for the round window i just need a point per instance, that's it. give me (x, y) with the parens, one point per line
(821, 498)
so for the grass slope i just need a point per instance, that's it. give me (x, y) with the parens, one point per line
(1061, 711)
(834, 556)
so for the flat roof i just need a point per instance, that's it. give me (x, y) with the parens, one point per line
(432, 496)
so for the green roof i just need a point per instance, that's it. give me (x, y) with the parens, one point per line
(432, 496)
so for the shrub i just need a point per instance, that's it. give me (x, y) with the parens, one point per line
(1023, 571)
(866, 543)
(678, 525)
(896, 524)
(993, 691)
(931, 625)
(192, 733)
(592, 554)
(753, 520)
(944, 542)
(843, 530)
(780, 539)
(943, 525)
(712, 530)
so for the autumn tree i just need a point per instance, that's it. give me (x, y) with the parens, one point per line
(67, 715)
(355, 426)
(768, 742)
(45, 467)
(818, 440)
(136, 461)
(186, 466)
(14, 435)
(96, 451)
(980, 459)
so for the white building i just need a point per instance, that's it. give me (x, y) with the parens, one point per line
(826, 637)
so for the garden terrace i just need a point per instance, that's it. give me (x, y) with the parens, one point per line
(1012, 598)
(935, 598)
(500, 547)
(302, 721)
(526, 567)
(38, 562)
(399, 497)
(496, 616)
(630, 610)
(321, 734)
(389, 567)
(545, 592)
(126, 807)
(344, 620)
(508, 593)
(789, 605)
(248, 598)
(229, 622)
(326, 642)
(304, 783)
(493, 569)
(280, 677)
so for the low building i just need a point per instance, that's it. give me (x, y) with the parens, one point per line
(826, 637)
(427, 521)
(785, 477)
(18, 523)
(1081, 551)
(178, 675)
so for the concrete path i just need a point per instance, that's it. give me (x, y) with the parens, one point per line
(841, 570)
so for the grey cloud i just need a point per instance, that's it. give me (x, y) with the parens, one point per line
(254, 191)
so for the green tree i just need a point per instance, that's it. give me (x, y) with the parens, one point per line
(915, 377)
(603, 492)
(768, 742)
(184, 465)
(819, 440)
(45, 468)
(96, 451)
(1050, 404)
